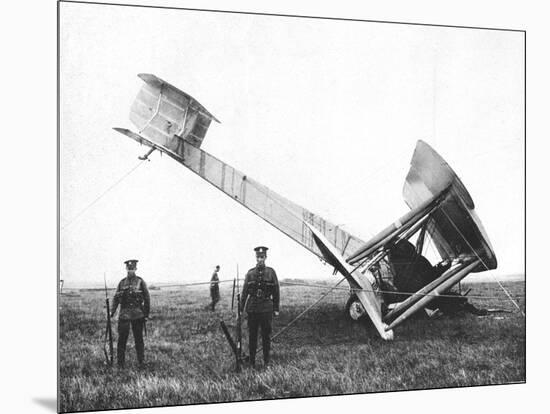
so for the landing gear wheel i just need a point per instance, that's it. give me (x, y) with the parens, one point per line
(355, 310)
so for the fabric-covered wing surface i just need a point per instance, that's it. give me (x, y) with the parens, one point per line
(455, 227)
(282, 213)
(161, 111)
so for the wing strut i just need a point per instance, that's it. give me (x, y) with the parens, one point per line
(428, 293)
(365, 292)
(146, 156)
(397, 228)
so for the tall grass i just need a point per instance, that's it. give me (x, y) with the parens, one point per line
(189, 360)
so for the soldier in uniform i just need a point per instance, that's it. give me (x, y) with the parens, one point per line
(260, 297)
(215, 288)
(133, 297)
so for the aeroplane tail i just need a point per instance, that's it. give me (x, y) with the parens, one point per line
(166, 115)
(174, 123)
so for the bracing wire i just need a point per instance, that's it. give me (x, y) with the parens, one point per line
(285, 207)
(296, 216)
(101, 195)
(508, 294)
(307, 309)
(481, 260)
(484, 264)
(313, 285)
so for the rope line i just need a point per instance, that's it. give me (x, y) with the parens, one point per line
(153, 286)
(396, 292)
(306, 310)
(101, 195)
(312, 285)
(431, 244)
(192, 284)
(507, 294)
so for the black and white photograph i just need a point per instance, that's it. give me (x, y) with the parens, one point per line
(263, 207)
(258, 206)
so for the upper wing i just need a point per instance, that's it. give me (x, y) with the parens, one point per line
(454, 227)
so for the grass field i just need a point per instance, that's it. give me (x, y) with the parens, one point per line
(189, 360)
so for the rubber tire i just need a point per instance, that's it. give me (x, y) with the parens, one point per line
(353, 299)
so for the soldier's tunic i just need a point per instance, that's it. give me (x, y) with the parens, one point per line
(133, 297)
(261, 296)
(214, 289)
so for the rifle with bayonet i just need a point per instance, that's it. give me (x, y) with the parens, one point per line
(108, 338)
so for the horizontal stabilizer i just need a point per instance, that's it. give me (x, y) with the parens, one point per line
(158, 83)
(144, 141)
(164, 114)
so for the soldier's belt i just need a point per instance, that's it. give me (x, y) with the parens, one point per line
(262, 294)
(131, 305)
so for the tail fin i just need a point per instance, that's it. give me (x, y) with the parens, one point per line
(164, 114)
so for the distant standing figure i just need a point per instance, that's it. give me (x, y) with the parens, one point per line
(261, 297)
(133, 297)
(215, 287)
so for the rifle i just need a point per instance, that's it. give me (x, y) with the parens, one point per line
(108, 339)
(239, 355)
(236, 346)
(233, 296)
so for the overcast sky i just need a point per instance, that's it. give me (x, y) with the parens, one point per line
(325, 112)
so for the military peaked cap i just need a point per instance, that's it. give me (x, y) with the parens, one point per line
(260, 250)
(131, 263)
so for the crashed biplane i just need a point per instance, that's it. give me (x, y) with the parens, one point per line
(389, 276)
